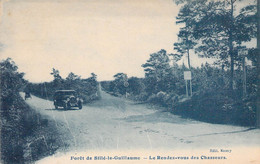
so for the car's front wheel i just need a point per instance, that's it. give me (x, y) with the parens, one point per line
(65, 106)
(80, 106)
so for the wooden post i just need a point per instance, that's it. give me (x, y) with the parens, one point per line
(190, 88)
(244, 77)
(187, 94)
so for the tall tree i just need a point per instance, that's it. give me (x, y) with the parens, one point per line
(118, 83)
(93, 76)
(56, 74)
(57, 78)
(120, 77)
(258, 63)
(93, 79)
(157, 64)
(71, 77)
(185, 38)
(157, 68)
(11, 80)
(217, 29)
(185, 44)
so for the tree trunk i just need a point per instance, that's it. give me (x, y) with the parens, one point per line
(258, 64)
(231, 46)
(188, 52)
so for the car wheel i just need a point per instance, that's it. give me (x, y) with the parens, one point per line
(80, 106)
(68, 106)
(65, 106)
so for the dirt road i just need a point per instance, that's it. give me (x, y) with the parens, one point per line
(118, 124)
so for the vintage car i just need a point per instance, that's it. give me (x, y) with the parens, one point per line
(67, 99)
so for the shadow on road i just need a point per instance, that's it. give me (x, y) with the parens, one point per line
(232, 132)
(62, 109)
(157, 117)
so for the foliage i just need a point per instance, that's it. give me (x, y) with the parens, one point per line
(86, 88)
(157, 69)
(11, 81)
(218, 106)
(72, 77)
(216, 29)
(212, 100)
(136, 86)
(19, 121)
(118, 83)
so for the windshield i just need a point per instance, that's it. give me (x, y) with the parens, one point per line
(65, 93)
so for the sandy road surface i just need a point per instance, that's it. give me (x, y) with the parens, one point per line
(117, 124)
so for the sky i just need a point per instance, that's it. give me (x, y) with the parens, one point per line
(84, 36)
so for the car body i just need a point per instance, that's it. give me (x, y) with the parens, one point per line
(27, 95)
(67, 99)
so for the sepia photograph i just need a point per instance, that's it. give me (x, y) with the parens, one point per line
(129, 81)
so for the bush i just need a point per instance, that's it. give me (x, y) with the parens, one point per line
(218, 107)
(18, 120)
(160, 98)
(143, 96)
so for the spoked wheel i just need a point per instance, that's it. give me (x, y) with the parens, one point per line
(80, 106)
(65, 106)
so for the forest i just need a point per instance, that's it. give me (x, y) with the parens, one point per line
(224, 91)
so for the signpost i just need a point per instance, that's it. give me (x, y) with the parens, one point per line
(187, 76)
(126, 84)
